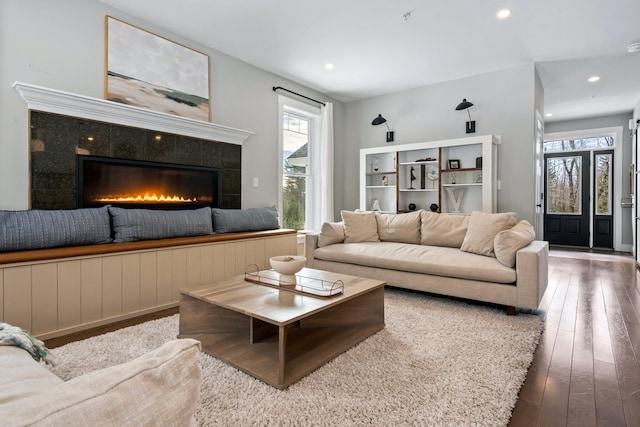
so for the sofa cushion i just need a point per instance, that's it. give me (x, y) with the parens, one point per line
(438, 261)
(159, 388)
(22, 376)
(331, 233)
(252, 219)
(39, 229)
(402, 228)
(508, 242)
(482, 230)
(360, 227)
(446, 230)
(131, 225)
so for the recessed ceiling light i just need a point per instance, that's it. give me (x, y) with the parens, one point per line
(549, 114)
(593, 79)
(504, 13)
(329, 66)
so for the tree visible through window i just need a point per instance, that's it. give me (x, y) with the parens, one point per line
(563, 185)
(578, 144)
(603, 184)
(296, 170)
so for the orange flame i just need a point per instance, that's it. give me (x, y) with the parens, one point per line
(146, 198)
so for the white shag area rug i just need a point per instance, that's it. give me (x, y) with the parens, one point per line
(438, 362)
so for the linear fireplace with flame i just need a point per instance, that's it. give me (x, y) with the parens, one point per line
(144, 184)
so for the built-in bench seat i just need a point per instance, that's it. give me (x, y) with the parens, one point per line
(56, 291)
(109, 248)
(65, 271)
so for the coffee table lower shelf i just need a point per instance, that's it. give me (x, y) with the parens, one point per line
(281, 354)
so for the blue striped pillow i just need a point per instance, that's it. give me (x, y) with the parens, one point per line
(39, 229)
(253, 219)
(130, 225)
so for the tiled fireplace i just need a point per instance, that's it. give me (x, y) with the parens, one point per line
(58, 142)
(67, 127)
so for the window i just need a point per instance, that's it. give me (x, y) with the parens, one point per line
(555, 146)
(603, 184)
(564, 187)
(299, 125)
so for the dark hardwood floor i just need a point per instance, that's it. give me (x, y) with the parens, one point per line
(586, 369)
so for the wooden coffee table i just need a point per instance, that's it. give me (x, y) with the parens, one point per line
(276, 335)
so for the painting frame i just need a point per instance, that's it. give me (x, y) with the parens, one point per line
(149, 71)
(454, 164)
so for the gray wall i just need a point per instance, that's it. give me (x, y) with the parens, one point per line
(504, 104)
(60, 44)
(604, 122)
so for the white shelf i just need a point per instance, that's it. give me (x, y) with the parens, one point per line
(431, 162)
(381, 173)
(480, 196)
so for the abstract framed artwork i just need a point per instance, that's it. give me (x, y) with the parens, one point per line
(149, 71)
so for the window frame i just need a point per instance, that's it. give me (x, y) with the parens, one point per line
(311, 113)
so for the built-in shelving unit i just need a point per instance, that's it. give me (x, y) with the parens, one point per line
(425, 173)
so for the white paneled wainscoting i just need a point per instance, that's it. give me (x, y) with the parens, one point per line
(59, 296)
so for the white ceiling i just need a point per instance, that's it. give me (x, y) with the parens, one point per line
(376, 51)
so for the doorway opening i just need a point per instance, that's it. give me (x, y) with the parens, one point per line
(579, 192)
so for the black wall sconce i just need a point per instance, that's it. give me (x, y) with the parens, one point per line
(471, 124)
(380, 120)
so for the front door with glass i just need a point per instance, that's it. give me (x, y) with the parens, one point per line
(566, 213)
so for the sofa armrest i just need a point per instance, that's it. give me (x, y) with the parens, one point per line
(532, 273)
(311, 244)
(133, 393)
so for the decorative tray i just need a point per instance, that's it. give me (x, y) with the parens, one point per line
(304, 285)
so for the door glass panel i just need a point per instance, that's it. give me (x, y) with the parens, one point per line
(603, 184)
(564, 185)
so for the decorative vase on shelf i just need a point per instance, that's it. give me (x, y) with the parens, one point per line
(375, 163)
(375, 206)
(385, 180)
(412, 206)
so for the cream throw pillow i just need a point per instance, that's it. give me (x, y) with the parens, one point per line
(159, 388)
(402, 228)
(508, 242)
(331, 233)
(442, 229)
(360, 227)
(482, 230)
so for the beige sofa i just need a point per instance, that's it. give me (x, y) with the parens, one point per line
(131, 394)
(484, 257)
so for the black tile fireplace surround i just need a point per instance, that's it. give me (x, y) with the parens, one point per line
(57, 141)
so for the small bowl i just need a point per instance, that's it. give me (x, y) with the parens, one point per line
(288, 266)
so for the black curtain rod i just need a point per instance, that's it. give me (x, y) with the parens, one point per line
(275, 88)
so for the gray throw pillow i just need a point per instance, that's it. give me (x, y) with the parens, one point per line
(130, 225)
(237, 220)
(40, 229)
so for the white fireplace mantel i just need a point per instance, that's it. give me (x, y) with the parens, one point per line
(86, 107)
